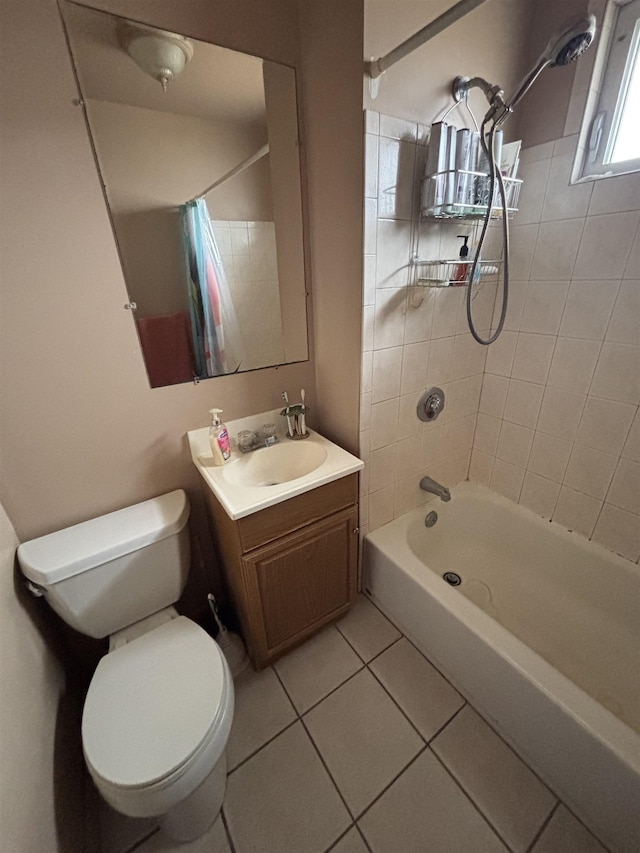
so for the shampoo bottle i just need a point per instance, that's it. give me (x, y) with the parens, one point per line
(219, 439)
(461, 269)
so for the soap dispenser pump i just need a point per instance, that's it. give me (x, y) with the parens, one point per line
(461, 269)
(219, 439)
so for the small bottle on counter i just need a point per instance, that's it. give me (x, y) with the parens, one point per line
(219, 439)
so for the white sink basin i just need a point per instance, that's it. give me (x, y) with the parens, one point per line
(253, 481)
(271, 466)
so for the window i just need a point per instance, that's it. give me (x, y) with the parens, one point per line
(610, 139)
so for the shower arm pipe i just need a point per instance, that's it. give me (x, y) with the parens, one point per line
(499, 108)
(378, 66)
(260, 153)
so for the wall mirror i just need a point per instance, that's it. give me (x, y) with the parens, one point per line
(197, 149)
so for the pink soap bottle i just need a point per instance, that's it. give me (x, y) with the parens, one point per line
(219, 439)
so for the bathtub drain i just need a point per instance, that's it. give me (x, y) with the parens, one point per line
(452, 578)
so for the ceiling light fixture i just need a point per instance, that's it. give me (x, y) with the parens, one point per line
(160, 54)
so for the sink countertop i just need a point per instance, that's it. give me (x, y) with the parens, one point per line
(242, 500)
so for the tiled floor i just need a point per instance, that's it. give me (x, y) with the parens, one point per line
(354, 743)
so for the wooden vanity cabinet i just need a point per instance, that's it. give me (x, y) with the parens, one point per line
(290, 568)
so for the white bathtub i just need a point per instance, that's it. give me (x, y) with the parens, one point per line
(541, 636)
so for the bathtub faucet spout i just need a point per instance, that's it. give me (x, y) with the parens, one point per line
(429, 485)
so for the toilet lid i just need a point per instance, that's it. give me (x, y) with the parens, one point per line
(151, 703)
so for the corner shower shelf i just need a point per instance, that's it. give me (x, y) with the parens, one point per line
(476, 182)
(441, 273)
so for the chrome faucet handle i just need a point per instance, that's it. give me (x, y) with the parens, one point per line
(430, 404)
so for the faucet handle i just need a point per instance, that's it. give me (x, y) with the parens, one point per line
(430, 404)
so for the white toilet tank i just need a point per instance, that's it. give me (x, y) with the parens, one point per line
(107, 573)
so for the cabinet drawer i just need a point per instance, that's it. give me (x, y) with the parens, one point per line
(275, 521)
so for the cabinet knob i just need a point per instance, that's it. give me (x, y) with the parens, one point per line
(356, 530)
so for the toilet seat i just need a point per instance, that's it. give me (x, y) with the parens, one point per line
(158, 709)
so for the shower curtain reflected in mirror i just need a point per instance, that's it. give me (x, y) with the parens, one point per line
(217, 343)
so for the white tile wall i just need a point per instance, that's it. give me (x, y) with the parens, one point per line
(248, 252)
(558, 428)
(548, 414)
(409, 344)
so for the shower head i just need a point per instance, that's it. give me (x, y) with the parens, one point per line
(565, 46)
(571, 41)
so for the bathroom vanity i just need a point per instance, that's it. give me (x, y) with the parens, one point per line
(289, 549)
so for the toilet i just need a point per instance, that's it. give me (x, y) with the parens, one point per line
(158, 711)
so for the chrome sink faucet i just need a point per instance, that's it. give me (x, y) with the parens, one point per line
(429, 485)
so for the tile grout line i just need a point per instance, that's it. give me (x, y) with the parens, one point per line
(428, 660)
(143, 840)
(545, 824)
(428, 745)
(391, 782)
(364, 838)
(425, 740)
(473, 708)
(227, 829)
(450, 720)
(328, 772)
(498, 834)
(340, 837)
(351, 645)
(313, 743)
(355, 827)
(262, 746)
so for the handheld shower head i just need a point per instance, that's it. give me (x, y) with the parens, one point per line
(565, 46)
(571, 41)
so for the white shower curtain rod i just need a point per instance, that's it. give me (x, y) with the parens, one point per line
(260, 153)
(378, 66)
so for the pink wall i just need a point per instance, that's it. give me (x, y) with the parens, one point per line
(82, 433)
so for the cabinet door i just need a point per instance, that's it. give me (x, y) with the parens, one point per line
(305, 579)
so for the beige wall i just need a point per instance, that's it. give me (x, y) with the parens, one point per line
(490, 42)
(32, 684)
(548, 101)
(82, 433)
(331, 47)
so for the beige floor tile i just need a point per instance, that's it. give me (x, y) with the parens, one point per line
(213, 841)
(363, 737)
(565, 834)
(368, 631)
(425, 810)
(423, 694)
(317, 667)
(502, 786)
(351, 843)
(262, 709)
(282, 800)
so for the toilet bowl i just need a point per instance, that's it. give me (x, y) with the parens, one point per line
(159, 708)
(156, 721)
